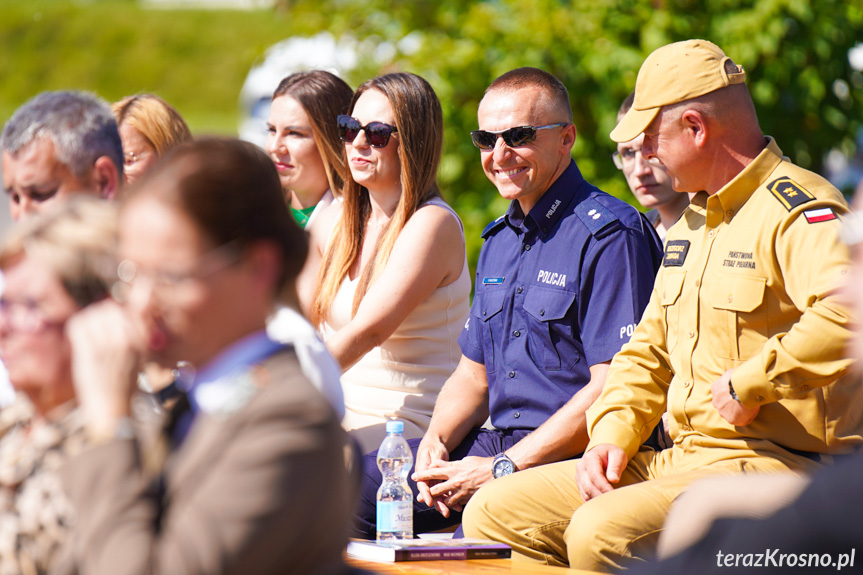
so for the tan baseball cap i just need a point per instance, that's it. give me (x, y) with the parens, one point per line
(672, 74)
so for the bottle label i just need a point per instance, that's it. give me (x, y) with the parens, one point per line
(395, 516)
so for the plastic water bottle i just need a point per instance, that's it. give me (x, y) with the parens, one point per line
(395, 510)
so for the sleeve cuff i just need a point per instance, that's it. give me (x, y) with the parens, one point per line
(751, 384)
(610, 432)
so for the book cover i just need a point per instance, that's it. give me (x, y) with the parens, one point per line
(427, 550)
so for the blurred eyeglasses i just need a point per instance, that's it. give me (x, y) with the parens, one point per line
(626, 160)
(167, 284)
(130, 159)
(25, 316)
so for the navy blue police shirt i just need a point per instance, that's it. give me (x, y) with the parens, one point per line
(557, 290)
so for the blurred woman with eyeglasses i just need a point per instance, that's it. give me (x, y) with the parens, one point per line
(149, 127)
(391, 294)
(247, 474)
(54, 266)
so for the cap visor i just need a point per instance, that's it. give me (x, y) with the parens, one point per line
(632, 124)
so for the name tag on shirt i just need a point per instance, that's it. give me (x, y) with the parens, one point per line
(492, 281)
(675, 253)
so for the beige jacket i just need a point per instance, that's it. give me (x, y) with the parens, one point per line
(261, 489)
(748, 283)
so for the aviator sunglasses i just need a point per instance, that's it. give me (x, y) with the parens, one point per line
(512, 137)
(377, 133)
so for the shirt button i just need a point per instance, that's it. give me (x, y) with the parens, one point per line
(512, 374)
(711, 233)
(519, 289)
(483, 312)
(697, 283)
(804, 387)
(516, 415)
(730, 298)
(684, 427)
(687, 383)
(527, 247)
(729, 213)
(691, 334)
(545, 230)
(516, 333)
(759, 398)
(542, 312)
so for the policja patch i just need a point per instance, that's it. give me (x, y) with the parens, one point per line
(675, 253)
(789, 193)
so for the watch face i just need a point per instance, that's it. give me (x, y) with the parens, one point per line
(502, 466)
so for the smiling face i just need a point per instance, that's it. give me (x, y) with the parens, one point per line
(33, 344)
(291, 145)
(138, 153)
(374, 168)
(526, 172)
(34, 178)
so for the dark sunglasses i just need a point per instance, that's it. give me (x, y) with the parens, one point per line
(377, 133)
(512, 137)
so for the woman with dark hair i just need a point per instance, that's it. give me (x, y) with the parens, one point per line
(249, 466)
(304, 146)
(303, 141)
(391, 294)
(53, 265)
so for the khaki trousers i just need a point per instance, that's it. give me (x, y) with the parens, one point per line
(540, 513)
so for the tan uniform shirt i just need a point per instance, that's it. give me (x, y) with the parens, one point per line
(748, 284)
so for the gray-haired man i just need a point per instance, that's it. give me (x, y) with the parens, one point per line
(60, 143)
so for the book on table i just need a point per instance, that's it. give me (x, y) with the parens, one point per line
(427, 549)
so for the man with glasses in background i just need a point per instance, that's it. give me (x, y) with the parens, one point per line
(744, 339)
(561, 282)
(648, 180)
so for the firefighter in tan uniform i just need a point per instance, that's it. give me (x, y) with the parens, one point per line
(743, 339)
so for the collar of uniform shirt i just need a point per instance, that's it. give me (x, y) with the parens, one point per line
(734, 194)
(245, 352)
(551, 206)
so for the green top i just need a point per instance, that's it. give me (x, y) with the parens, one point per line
(302, 216)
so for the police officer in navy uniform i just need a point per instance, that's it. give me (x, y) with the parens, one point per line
(561, 283)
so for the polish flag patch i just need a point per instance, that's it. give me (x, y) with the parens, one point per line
(822, 215)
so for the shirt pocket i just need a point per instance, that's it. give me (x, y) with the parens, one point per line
(740, 329)
(669, 299)
(551, 341)
(486, 313)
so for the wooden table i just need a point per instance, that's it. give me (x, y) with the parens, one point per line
(471, 567)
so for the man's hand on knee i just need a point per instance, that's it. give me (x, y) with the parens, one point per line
(599, 469)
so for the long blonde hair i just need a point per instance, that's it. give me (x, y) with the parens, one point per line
(419, 120)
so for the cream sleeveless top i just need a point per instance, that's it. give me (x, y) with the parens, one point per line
(402, 377)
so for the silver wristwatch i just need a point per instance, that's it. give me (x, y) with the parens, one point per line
(502, 465)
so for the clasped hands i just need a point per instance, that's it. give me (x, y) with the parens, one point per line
(448, 485)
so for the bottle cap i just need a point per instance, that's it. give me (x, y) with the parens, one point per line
(395, 426)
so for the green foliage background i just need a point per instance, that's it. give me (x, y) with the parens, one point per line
(794, 51)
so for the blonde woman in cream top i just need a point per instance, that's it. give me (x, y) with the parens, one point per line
(402, 377)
